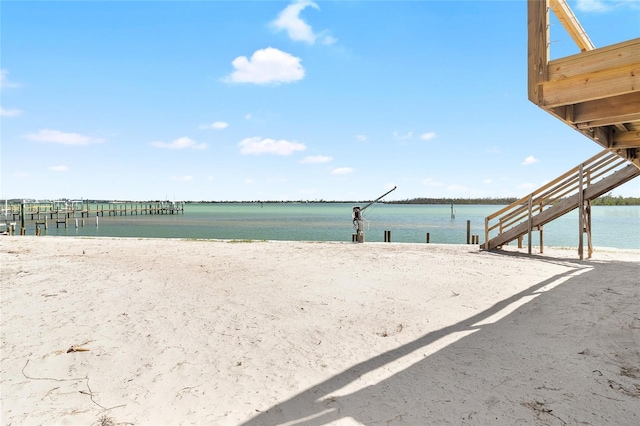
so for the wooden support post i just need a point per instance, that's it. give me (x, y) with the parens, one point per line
(588, 228)
(22, 225)
(486, 233)
(387, 236)
(468, 232)
(428, 238)
(588, 219)
(541, 229)
(37, 231)
(538, 48)
(530, 223)
(581, 214)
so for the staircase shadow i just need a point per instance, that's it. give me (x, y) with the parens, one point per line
(567, 355)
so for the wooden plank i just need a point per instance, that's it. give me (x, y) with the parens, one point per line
(608, 111)
(617, 55)
(538, 47)
(570, 23)
(615, 82)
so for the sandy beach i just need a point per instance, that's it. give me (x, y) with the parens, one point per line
(102, 331)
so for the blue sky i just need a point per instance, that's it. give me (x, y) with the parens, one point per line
(274, 100)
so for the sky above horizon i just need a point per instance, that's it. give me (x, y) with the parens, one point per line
(283, 100)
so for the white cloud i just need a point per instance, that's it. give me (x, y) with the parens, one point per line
(361, 138)
(529, 160)
(430, 182)
(4, 82)
(493, 150)
(9, 112)
(427, 136)
(316, 159)
(290, 21)
(403, 137)
(257, 145)
(247, 116)
(180, 143)
(592, 6)
(182, 178)
(327, 39)
(249, 181)
(267, 66)
(58, 168)
(64, 138)
(342, 171)
(21, 175)
(487, 181)
(218, 125)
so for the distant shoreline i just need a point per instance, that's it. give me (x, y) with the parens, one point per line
(606, 200)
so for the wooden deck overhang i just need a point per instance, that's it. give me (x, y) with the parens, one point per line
(596, 92)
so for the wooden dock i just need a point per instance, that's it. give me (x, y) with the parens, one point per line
(62, 211)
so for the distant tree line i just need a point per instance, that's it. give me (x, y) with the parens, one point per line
(485, 201)
(610, 200)
(604, 200)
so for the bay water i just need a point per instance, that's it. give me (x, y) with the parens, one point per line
(612, 226)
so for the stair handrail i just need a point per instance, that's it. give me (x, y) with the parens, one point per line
(552, 192)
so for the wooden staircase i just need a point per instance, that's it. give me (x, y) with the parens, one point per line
(573, 190)
(597, 93)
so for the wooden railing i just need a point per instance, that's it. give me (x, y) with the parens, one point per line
(566, 192)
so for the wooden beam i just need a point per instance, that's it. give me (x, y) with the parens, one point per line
(622, 123)
(588, 87)
(617, 55)
(570, 23)
(612, 110)
(626, 139)
(538, 48)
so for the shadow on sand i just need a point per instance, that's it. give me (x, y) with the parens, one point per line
(568, 354)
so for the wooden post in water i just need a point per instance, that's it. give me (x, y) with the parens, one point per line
(387, 236)
(22, 226)
(468, 232)
(428, 237)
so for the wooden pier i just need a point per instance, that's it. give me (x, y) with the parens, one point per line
(62, 211)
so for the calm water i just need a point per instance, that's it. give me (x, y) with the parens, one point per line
(616, 226)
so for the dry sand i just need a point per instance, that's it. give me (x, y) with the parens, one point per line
(265, 333)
